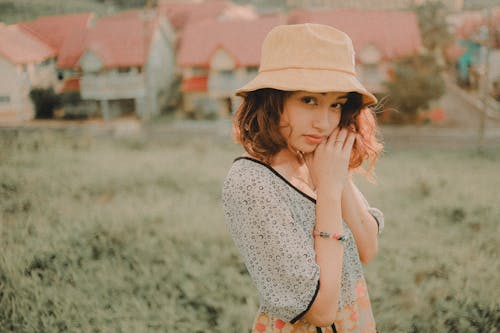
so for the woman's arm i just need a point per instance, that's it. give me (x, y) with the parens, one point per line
(329, 254)
(328, 168)
(362, 224)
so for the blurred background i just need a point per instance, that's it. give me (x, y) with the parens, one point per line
(115, 137)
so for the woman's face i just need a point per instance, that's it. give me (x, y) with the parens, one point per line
(308, 118)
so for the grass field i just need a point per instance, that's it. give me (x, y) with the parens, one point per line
(103, 234)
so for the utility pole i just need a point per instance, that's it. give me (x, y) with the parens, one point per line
(484, 83)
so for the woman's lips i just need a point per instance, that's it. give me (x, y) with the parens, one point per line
(314, 139)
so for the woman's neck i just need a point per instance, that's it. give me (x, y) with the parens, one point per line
(287, 158)
(292, 166)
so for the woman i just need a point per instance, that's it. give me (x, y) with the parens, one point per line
(301, 225)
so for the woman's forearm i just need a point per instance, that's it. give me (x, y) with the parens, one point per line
(329, 254)
(361, 223)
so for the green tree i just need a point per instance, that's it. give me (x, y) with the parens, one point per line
(433, 27)
(415, 82)
(45, 101)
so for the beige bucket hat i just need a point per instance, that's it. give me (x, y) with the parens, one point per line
(309, 57)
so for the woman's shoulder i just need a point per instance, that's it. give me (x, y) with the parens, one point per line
(249, 169)
(250, 176)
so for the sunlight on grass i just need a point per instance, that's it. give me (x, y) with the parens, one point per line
(103, 234)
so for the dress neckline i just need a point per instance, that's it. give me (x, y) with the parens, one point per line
(270, 168)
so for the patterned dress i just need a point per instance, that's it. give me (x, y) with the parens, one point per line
(271, 223)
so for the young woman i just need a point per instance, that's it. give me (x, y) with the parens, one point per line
(300, 223)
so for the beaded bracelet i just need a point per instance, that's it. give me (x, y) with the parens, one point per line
(323, 234)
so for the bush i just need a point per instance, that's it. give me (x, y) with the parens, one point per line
(71, 98)
(45, 101)
(415, 83)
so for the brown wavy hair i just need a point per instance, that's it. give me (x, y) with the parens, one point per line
(257, 126)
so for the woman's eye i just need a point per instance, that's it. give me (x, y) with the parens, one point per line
(337, 105)
(309, 100)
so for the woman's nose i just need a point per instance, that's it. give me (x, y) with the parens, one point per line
(322, 120)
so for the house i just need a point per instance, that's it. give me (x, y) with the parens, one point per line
(25, 63)
(216, 58)
(477, 46)
(127, 63)
(378, 38)
(61, 33)
(182, 13)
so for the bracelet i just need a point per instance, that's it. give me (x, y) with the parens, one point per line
(324, 234)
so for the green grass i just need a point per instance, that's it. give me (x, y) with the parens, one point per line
(13, 11)
(102, 234)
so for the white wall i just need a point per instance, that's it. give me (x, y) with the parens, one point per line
(15, 103)
(160, 71)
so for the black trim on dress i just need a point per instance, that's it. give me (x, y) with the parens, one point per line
(300, 315)
(294, 320)
(290, 184)
(276, 173)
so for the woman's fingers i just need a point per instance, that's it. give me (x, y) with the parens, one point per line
(332, 136)
(337, 138)
(349, 142)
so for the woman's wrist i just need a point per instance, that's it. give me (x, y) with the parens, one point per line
(332, 191)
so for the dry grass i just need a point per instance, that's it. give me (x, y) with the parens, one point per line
(127, 235)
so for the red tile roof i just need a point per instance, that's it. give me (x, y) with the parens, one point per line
(195, 83)
(18, 47)
(121, 40)
(101, 39)
(72, 50)
(394, 33)
(182, 13)
(54, 30)
(242, 39)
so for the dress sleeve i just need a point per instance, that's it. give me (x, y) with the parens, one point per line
(278, 253)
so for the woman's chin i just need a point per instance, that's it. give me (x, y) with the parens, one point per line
(308, 148)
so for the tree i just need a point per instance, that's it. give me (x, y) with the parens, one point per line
(415, 82)
(45, 101)
(433, 26)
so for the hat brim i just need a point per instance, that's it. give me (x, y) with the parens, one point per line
(312, 80)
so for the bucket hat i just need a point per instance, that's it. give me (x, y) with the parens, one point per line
(309, 57)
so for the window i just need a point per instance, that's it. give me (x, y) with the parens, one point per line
(252, 71)
(197, 71)
(4, 99)
(46, 62)
(226, 73)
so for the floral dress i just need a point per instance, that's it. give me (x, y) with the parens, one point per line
(271, 223)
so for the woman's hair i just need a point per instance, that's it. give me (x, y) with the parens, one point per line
(257, 126)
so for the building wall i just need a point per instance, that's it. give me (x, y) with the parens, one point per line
(372, 76)
(149, 86)
(224, 77)
(15, 103)
(44, 74)
(112, 84)
(494, 66)
(160, 72)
